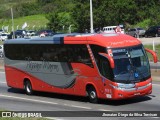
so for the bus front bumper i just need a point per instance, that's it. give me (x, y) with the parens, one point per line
(118, 94)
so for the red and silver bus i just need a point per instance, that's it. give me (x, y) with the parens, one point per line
(106, 66)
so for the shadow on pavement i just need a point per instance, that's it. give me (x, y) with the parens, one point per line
(84, 99)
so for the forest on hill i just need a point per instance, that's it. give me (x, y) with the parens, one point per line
(76, 13)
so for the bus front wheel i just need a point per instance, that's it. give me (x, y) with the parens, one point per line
(92, 95)
(28, 87)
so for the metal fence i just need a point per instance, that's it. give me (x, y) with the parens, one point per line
(1, 54)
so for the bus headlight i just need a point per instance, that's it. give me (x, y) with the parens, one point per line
(121, 86)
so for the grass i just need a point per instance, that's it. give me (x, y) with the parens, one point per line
(157, 48)
(7, 4)
(39, 21)
(1, 42)
(144, 24)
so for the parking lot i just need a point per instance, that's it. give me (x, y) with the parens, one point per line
(149, 41)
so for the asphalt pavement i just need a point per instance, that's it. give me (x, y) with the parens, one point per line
(66, 105)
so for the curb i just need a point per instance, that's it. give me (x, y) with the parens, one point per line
(155, 78)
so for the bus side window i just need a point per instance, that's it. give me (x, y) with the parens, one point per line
(50, 52)
(105, 68)
(81, 54)
(102, 62)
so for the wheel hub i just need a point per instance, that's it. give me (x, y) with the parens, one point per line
(28, 89)
(93, 95)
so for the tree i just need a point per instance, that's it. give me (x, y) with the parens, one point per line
(105, 13)
(60, 21)
(77, 12)
(81, 15)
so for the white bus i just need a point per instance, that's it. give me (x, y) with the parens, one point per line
(111, 29)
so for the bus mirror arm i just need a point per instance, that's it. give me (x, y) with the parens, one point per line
(155, 58)
(111, 61)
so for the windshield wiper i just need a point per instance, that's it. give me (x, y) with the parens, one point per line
(133, 70)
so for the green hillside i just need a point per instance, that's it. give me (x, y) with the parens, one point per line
(39, 21)
(7, 4)
(130, 13)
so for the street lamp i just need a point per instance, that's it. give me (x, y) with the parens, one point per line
(70, 28)
(12, 24)
(91, 16)
(63, 28)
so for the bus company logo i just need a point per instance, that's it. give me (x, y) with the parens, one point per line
(6, 114)
(44, 65)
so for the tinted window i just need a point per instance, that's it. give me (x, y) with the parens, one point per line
(96, 49)
(133, 30)
(48, 52)
(102, 62)
(151, 28)
(139, 28)
(104, 68)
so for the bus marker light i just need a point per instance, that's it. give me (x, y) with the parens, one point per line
(137, 94)
(120, 95)
(108, 95)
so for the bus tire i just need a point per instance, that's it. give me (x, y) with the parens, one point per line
(135, 35)
(28, 87)
(92, 95)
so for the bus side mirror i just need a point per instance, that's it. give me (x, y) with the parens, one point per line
(155, 58)
(111, 61)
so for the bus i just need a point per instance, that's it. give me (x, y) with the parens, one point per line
(97, 66)
(112, 29)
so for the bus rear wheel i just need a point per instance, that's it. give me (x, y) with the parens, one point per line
(28, 87)
(92, 95)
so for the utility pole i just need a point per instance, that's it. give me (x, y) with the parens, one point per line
(91, 16)
(12, 24)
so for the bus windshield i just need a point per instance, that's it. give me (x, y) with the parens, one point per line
(131, 64)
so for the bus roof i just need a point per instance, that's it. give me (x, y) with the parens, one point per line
(112, 40)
